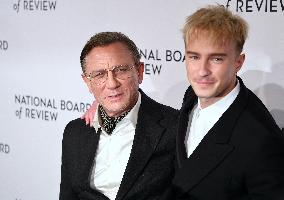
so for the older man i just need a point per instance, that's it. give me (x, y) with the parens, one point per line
(129, 151)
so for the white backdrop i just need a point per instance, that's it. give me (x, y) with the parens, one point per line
(41, 86)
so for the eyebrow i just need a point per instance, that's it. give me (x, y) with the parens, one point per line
(106, 69)
(212, 54)
(98, 70)
(191, 52)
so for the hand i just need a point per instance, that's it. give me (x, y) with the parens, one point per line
(88, 116)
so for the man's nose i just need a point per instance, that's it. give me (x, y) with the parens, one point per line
(112, 81)
(204, 68)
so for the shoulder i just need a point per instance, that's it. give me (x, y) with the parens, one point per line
(75, 124)
(76, 128)
(255, 126)
(259, 114)
(154, 107)
(254, 114)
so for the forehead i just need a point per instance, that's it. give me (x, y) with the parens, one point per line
(109, 55)
(206, 42)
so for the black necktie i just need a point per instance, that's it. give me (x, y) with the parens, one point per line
(109, 123)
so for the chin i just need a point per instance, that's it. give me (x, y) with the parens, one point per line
(117, 109)
(204, 94)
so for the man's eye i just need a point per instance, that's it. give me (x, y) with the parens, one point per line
(121, 69)
(98, 74)
(193, 57)
(217, 59)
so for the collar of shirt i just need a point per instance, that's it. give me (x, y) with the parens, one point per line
(132, 116)
(202, 120)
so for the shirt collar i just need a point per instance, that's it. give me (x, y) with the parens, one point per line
(132, 116)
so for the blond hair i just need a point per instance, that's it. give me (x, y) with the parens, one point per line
(221, 25)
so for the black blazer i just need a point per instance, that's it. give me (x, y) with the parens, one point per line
(150, 167)
(241, 157)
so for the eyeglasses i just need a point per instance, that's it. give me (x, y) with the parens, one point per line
(120, 71)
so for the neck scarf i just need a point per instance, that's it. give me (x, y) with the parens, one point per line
(109, 123)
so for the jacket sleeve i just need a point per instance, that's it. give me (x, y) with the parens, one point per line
(265, 175)
(66, 191)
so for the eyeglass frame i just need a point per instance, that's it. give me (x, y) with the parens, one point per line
(106, 70)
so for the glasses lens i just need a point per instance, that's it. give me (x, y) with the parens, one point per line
(121, 72)
(97, 77)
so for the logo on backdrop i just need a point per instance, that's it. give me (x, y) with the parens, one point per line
(3, 45)
(153, 59)
(4, 148)
(46, 109)
(34, 5)
(269, 6)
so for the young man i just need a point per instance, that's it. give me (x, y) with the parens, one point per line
(228, 145)
(129, 151)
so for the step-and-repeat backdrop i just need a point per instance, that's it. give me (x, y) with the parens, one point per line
(40, 74)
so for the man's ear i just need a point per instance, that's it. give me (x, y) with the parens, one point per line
(140, 72)
(88, 83)
(239, 62)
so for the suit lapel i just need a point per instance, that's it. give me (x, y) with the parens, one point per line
(147, 135)
(187, 106)
(212, 149)
(203, 160)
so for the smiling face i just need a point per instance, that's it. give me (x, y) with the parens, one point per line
(115, 95)
(211, 67)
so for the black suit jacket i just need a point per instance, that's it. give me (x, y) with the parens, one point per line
(241, 157)
(150, 167)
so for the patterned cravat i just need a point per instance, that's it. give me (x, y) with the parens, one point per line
(109, 123)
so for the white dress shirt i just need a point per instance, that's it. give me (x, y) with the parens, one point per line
(204, 119)
(113, 153)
